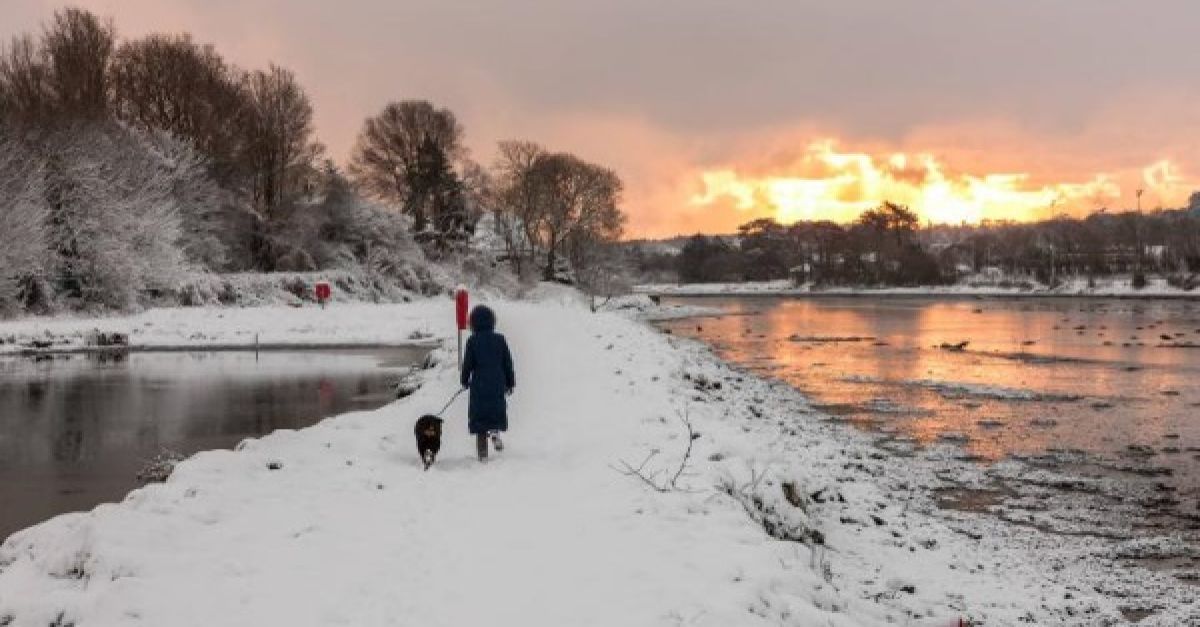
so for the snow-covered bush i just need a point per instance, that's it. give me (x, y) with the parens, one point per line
(272, 288)
(385, 248)
(341, 231)
(784, 511)
(479, 269)
(635, 303)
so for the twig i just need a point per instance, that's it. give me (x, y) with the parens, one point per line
(651, 479)
(687, 453)
(638, 472)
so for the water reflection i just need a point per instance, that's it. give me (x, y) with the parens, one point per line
(74, 431)
(1090, 375)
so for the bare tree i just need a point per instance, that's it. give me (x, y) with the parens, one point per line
(514, 199)
(554, 205)
(170, 83)
(24, 85)
(578, 200)
(279, 153)
(77, 47)
(400, 154)
(280, 149)
(477, 186)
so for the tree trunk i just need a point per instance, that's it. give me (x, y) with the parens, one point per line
(551, 257)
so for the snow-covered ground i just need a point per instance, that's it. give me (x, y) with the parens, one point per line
(201, 327)
(1119, 287)
(643, 307)
(779, 518)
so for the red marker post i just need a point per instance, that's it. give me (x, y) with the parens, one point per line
(323, 292)
(461, 303)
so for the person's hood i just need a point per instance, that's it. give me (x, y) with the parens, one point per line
(483, 319)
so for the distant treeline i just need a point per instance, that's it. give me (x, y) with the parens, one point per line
(125, 164)
(887, 246)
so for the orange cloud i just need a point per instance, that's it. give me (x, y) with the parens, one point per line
(827, 183)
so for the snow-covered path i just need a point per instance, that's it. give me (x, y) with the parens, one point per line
(349, 531)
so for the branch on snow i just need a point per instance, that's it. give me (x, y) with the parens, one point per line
(663, 479)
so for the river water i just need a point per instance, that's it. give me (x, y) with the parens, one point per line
(1106, 390)
(75, 430)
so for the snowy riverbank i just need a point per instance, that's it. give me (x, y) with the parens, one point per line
(342, 324)
(1118, 287)
(336, 524)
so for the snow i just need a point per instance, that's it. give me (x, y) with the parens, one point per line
(348, 530)
(209, 327)
(488, 236)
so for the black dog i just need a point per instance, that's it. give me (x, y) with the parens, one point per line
(429, 438)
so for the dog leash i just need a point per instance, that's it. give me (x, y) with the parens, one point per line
(451, 401)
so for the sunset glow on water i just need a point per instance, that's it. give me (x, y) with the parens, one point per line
(1033, 376)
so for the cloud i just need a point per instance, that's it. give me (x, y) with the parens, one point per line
(1059, 92)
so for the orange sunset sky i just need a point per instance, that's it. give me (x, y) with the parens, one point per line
(717, 112)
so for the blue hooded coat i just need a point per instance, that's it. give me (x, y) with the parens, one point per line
(487, 369)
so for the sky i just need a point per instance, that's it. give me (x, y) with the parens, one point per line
(718, 112)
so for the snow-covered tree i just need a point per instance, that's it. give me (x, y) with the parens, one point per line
(605, 272)
(114, 213)
(24, 255)
(126, 165)
(202, 204)
(339, 229)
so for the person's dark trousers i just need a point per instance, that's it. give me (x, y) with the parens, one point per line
(481, 445)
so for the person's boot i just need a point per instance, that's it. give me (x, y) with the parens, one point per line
(481, 441)
(496, 441)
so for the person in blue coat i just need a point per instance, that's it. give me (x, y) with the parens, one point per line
(487, 370)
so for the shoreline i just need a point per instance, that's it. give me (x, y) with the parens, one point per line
(218, 348)
(944, 295)
(341, 326)
(1120, 572)
(782, 469)
(760, 290)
